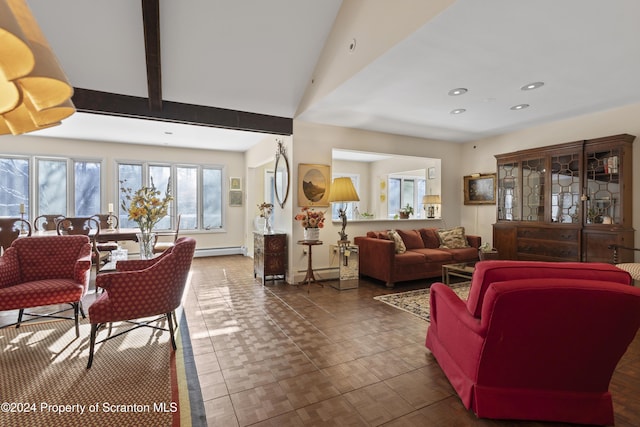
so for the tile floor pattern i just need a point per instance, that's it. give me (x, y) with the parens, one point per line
(279, 356)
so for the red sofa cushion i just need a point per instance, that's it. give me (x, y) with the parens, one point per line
(434, 255)
(408, 258)
(430, 238)
(411, 238)
(461, 254)
(379, 234)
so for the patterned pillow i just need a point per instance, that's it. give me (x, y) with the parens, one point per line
(453, 238)
(400, 247)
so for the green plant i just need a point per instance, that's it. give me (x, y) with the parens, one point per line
(407, 209)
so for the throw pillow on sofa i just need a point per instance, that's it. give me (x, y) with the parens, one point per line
(411, 238)
(395, 237)
(453, 238)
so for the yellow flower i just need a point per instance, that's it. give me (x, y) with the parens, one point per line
(145, 205)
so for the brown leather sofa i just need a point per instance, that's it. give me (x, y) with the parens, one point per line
(423, 258)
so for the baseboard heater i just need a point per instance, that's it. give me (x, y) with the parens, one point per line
(232, 250)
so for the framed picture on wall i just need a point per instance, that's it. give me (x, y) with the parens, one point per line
(431, 173)
(235, 198)
(480, 189)
(235, 183)
(313, 184)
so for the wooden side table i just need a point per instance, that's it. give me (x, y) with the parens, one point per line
(309, 277)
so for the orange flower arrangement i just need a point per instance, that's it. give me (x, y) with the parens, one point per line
(310, 218)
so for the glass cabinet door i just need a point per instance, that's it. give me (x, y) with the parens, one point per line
(565, 188)
(603, 186)
(533, 172)
(508, 191)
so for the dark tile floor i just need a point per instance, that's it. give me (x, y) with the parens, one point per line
(277, 356)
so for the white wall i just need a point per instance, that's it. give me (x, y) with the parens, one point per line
(478, 156)
(313, 144)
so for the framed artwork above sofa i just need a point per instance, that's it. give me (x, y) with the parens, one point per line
(480, 189)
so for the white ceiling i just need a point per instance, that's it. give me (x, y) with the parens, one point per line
(259, 56)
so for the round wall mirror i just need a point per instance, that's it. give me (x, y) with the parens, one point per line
(281, 181)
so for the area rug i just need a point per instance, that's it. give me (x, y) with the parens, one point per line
(417, 302)
(136, 379)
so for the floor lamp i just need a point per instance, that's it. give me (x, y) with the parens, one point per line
(342, 190)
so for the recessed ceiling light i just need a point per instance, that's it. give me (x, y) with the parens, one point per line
(532, 86)
(458, 111)
(458, 91)
(168, 132)
(520, 107)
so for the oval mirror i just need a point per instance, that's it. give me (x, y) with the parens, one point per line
(281, 181)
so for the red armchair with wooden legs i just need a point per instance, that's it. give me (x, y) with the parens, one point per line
(42, 271)
(141, 289)
(536, 340)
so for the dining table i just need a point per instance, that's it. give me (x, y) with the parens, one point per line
(105, 235)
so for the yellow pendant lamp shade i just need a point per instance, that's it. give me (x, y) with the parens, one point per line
(34, 91)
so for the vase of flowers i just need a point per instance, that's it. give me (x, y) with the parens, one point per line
(265, 212)
(146, 207)
(312, 221)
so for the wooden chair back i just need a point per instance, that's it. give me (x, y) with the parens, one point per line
(11, 229)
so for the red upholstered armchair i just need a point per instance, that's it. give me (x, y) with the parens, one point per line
(41, 271)
(142, 288)
(536, 340)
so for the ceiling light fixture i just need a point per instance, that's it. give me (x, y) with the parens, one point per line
(532, 86)
(34, 92)
(458, 91)
(457, 111)
(520, 107)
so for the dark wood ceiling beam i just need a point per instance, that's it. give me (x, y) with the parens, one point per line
(96, 102)
(151, 23)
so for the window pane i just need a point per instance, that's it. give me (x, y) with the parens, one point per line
(186, 200)
(160, 176)
(211, 198)
(421, 191)
(393, 204)
(407, 193)
(14, 186)
(129, 176)
(52, 187)
(87, 188)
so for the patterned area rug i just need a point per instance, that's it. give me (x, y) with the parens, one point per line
(417, 302)
(136, 379)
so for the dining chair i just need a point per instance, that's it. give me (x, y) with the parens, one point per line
(161, 246)
(47, 222)
(83, 225)
(11, 229)
(107, 221)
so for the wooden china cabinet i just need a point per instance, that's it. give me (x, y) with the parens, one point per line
(566, 202)
(269, 255)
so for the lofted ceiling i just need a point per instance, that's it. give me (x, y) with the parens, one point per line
(248, 65)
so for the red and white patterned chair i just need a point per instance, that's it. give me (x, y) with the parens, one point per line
(42, 271)
(141, 289)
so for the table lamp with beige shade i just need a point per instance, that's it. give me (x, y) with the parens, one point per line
(342, 190)
(430, 200)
